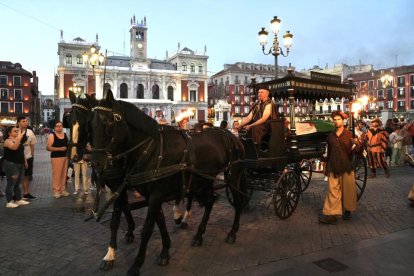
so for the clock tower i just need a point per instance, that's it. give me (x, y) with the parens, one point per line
(138, 43)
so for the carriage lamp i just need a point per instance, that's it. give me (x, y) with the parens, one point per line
(275, 49)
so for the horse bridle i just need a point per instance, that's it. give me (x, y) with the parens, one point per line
(109, 152)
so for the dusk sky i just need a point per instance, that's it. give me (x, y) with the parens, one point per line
(326, 32)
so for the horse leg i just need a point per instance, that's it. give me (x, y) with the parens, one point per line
(164, 257)
(129, 236)
(187, 214)
(178, 217)
(109, 259)
(153, 213)
(237, 180)
(208, 206)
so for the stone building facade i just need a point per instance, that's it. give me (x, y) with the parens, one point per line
(174, 84)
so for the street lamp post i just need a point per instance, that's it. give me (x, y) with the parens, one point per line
(275, 49)
(93, 58)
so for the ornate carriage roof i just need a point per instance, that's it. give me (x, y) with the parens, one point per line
(319, 86)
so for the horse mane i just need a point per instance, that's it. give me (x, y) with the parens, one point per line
(137, 118)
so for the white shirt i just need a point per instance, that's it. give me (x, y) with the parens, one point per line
(31, 140)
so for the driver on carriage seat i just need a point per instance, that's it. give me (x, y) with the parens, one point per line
(256, 123)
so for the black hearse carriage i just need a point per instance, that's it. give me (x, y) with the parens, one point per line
(285, 168)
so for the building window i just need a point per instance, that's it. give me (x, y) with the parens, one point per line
(380, 94)
(193, 95)
(236, 80)
(246, 81)
(192, 68)
(412, 104)
(246, 109)
(401, 92)
(401, 104)
(4, 107)
(79, 59)
(123, 94)
(200, 69)
(236, 90)
(140, 91)
(156, 92)
(3, 80)
(371, 85)
(412, 91)
(390, 104)
(401, 81)
(18, 94)
(237, 99)
(170, 93)
(411, 79)
(362, 84)
(68, 59)
(246, 99)
(237, 109)
(17, 80)
(329, 109)
(389, 93)
(184, 66)
(18, 108)
(4, 94)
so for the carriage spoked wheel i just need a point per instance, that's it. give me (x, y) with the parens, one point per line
(242, 182)
(304, 171)
(286, 194)
(361, 174)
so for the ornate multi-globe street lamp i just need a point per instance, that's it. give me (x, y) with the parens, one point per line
(275, 49)
(93, 58)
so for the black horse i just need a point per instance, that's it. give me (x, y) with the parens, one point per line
(130, 150)
(79, 122)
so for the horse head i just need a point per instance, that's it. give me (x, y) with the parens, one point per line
(116, 126)
(79, 122)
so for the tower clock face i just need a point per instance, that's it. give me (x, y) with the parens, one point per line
(140, 45)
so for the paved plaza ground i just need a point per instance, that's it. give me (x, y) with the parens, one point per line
(50, 237)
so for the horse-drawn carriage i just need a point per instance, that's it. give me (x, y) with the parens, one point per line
(285, 169)
(130, 150)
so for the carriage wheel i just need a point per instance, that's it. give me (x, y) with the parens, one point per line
(305, 174)
(361, 174)
(246, 195)
(286, 195)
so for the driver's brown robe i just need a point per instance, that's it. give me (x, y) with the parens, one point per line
(342, 194)
(258, 131)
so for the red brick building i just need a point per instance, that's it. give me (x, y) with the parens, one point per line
(18, 93)
(393, 99)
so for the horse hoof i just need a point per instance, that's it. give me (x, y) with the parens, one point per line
(178, 220)
(129, 238)
(162, 260)
(184, 225)
(197, 242)
(133, 272)
(107, 265)
(230, 239)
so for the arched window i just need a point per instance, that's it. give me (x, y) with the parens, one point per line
(170, 92)
(155, 91)
(200, 69)
(184, 66)
(79, 59)
(124, 91)
(192, 68)
(68, 59)
(140, 91)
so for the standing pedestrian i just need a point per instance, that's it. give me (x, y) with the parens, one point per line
(377, 143)
(341, 196)
(14, 164)
(29, 142)
(57, 144)
(396, 144)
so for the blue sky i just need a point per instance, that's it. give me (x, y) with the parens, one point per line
(376, 32)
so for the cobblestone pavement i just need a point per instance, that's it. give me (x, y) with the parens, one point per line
(50, 237)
